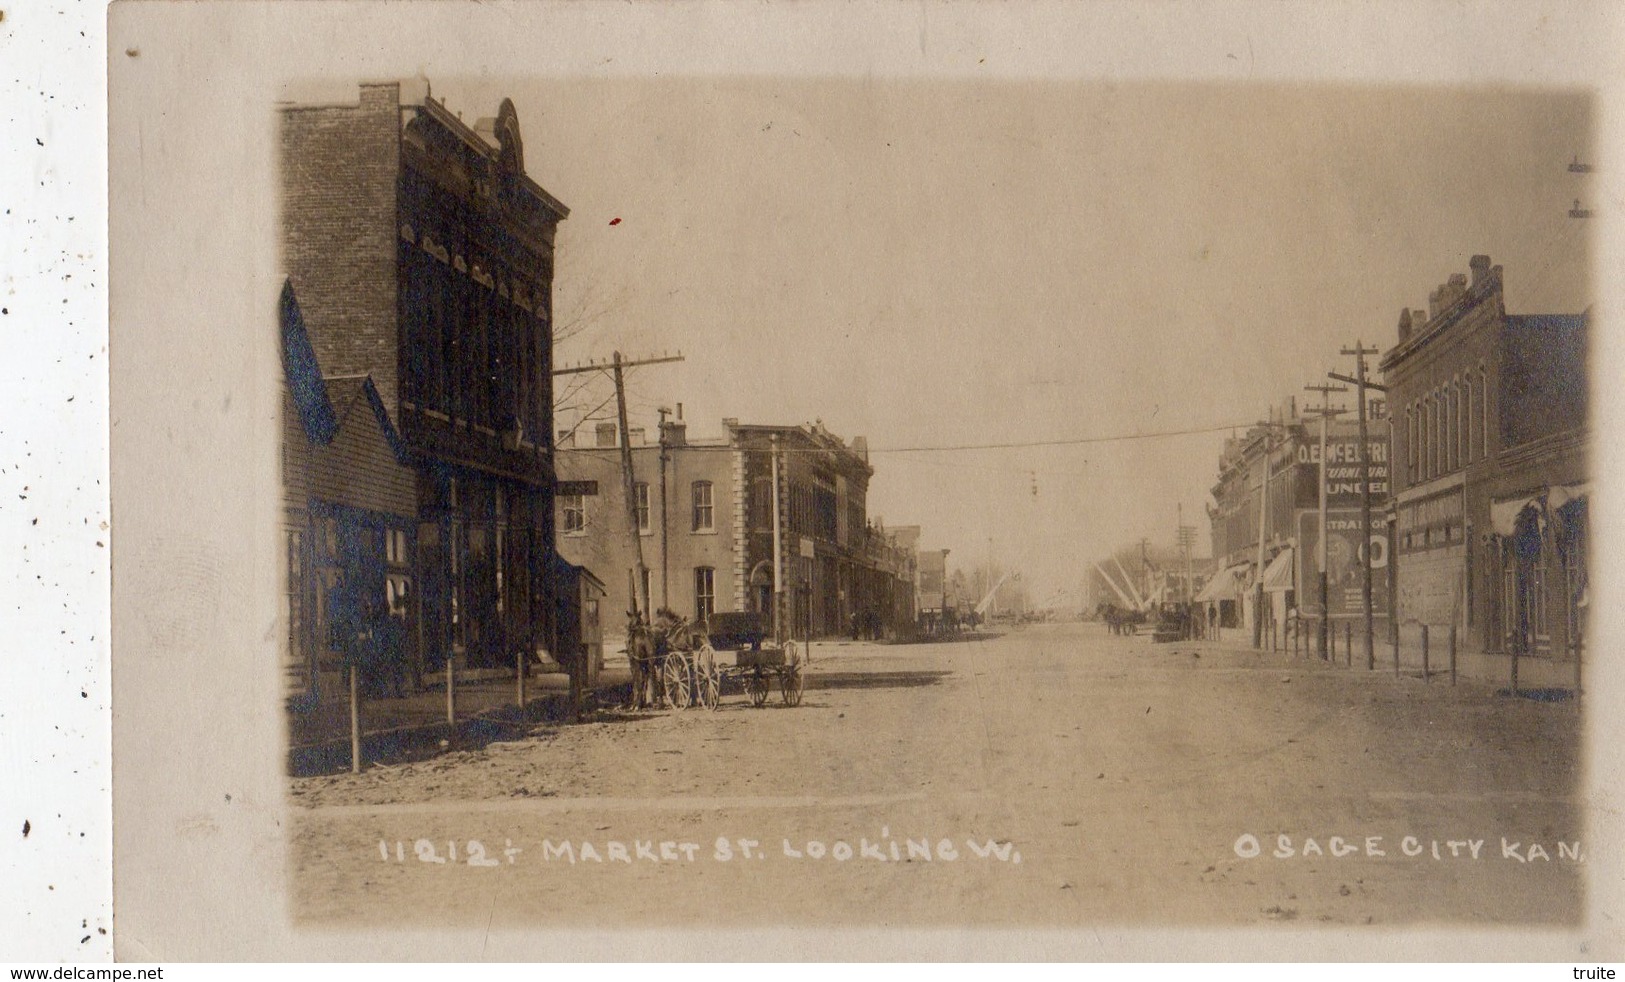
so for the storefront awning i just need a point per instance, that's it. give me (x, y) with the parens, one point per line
(1278, 574)
(1559, 497)
(1223, 585)
(1504, 514)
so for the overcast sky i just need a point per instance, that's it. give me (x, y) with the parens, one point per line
(948, 263)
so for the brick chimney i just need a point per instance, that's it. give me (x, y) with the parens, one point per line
(1480, 267)
(674, 433)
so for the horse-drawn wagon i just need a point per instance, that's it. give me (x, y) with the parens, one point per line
(674, 662)
(756, 666)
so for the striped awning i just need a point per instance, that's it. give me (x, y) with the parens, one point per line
(1278, 574)
(1223, 585)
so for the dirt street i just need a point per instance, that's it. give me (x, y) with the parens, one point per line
(1054, 776)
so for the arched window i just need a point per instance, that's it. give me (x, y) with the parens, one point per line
(1410, 444)
(1452, 429)
(1467, 430)
(1430, 439)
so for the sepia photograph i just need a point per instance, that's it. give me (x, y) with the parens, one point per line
(735, 504)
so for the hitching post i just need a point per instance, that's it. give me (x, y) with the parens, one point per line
(355, 720)
(1452, 654)
(519, 677)
(1394, 633)
(451, 687)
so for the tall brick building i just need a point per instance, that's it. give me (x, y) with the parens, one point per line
(1490, 420)
(419, 253)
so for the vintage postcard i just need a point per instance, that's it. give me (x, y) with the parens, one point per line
(950, 481)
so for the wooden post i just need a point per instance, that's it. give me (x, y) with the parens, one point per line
(1452, 654)
(1579, 652)
(1395, 636)
(1331, 638)
(1425, 654)
(355, 720)
(1518, 638)
(451, 687)
(1348, 641)
(519, 677)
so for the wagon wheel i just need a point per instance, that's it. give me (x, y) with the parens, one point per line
(674, 673)
(756, 686)
(707, 678)
(791, 681)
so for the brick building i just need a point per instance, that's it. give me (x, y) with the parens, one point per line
(705, 514)
(420, 256)
(685, 522)
(1278, 448)
(1489, 513)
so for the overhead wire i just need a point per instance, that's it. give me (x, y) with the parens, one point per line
(1012, 445)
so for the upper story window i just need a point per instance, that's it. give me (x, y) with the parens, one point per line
(704, 510)
(1410, 444)
(640, 502)
(575, 514)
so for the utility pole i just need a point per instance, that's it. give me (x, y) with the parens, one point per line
(1187, 542)
(629, 485)
(665, 524)
(987, 585)
(1325, 412)
(1578, 168)
(1359, 351)
(778, 552)
(1263, 522)
(639, 588)
(617, 368)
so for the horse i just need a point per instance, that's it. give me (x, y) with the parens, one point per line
(640, 658)
(1112, 616)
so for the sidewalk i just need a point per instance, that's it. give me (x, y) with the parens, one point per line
(1539, 677)
(396, 729)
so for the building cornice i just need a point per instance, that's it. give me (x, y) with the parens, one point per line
(1486, 289)
(1546, 446)
(437, 111)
